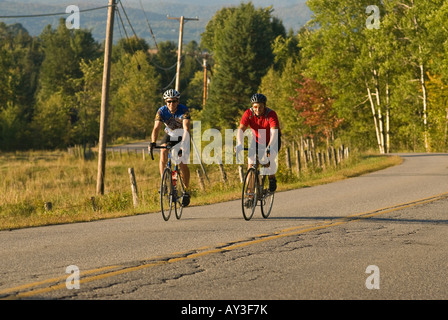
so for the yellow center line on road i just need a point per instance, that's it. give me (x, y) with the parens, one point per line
(52, 280)
(107, 272)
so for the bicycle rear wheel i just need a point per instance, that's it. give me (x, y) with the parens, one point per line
(179, 191)
(267, 197)
(250, 194)
(166, 192)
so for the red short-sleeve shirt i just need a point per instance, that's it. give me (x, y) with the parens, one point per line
(261, 125)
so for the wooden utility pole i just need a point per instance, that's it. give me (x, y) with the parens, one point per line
(105, 99)
(179, 50)
(204, 64)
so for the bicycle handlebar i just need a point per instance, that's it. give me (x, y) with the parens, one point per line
(246, 149)
(158, 147)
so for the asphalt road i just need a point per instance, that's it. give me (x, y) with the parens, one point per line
(378, 236)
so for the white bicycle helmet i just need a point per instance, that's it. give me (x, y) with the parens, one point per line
(171, 94)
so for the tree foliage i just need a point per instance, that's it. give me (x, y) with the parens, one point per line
(315, 106)
(388, 84)
(378, 71)
(20, 59)
(241, 41)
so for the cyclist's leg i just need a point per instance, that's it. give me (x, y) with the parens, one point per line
(185, 171)
(163, 154)
(251, 182)
(273, 166)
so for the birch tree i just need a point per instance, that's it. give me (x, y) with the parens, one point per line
(343, 57)
(413, 19)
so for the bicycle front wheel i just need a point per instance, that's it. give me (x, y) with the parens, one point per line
(267, 198)
(179, 192)
(250, 194)
(166, 192)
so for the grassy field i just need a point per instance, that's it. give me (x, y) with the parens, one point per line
(29, 180)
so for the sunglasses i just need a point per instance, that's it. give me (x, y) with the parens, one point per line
(171, 101)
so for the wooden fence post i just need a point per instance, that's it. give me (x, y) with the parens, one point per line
(305, 157)
(92, 200)
(288, 159)
(48, 206)
(319, 159)
(299, 165)
(223, 173)
(201, 180)
(335, 157)
(133, 187)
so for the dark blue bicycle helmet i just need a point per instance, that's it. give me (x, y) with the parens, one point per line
(258, 98)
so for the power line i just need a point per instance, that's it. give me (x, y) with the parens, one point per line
(149, 26)
(50, 14)
(132, 48)
(127, 18)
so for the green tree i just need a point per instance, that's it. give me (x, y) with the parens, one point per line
(437, 37)
(87, 102)
(334, 51)
(20, 59)
(285, 49)
(195, 90)
(412, 19)
(52, 122)
(191, 64)
(165, 61)
(135, 99)
(372, 69)
(280, 88)
(128, 46)
(64, 50)
(241, 40)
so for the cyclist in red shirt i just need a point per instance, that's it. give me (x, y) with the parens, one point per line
(266, 129)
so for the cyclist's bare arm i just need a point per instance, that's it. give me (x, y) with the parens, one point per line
(274, 135)
(158, 125)
(186, 127)
(240, 133)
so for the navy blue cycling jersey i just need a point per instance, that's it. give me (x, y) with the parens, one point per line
(172, 121)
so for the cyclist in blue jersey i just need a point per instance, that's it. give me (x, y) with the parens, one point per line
(176, 118)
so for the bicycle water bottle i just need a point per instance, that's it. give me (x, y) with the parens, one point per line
(174, 177)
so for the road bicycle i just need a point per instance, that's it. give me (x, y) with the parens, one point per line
(172, 187)
(256, 190)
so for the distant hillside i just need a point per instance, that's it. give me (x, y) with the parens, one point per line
(294, 14)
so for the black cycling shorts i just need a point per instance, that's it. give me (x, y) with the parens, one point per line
(167, 139)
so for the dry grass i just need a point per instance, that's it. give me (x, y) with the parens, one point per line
(30, 179)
